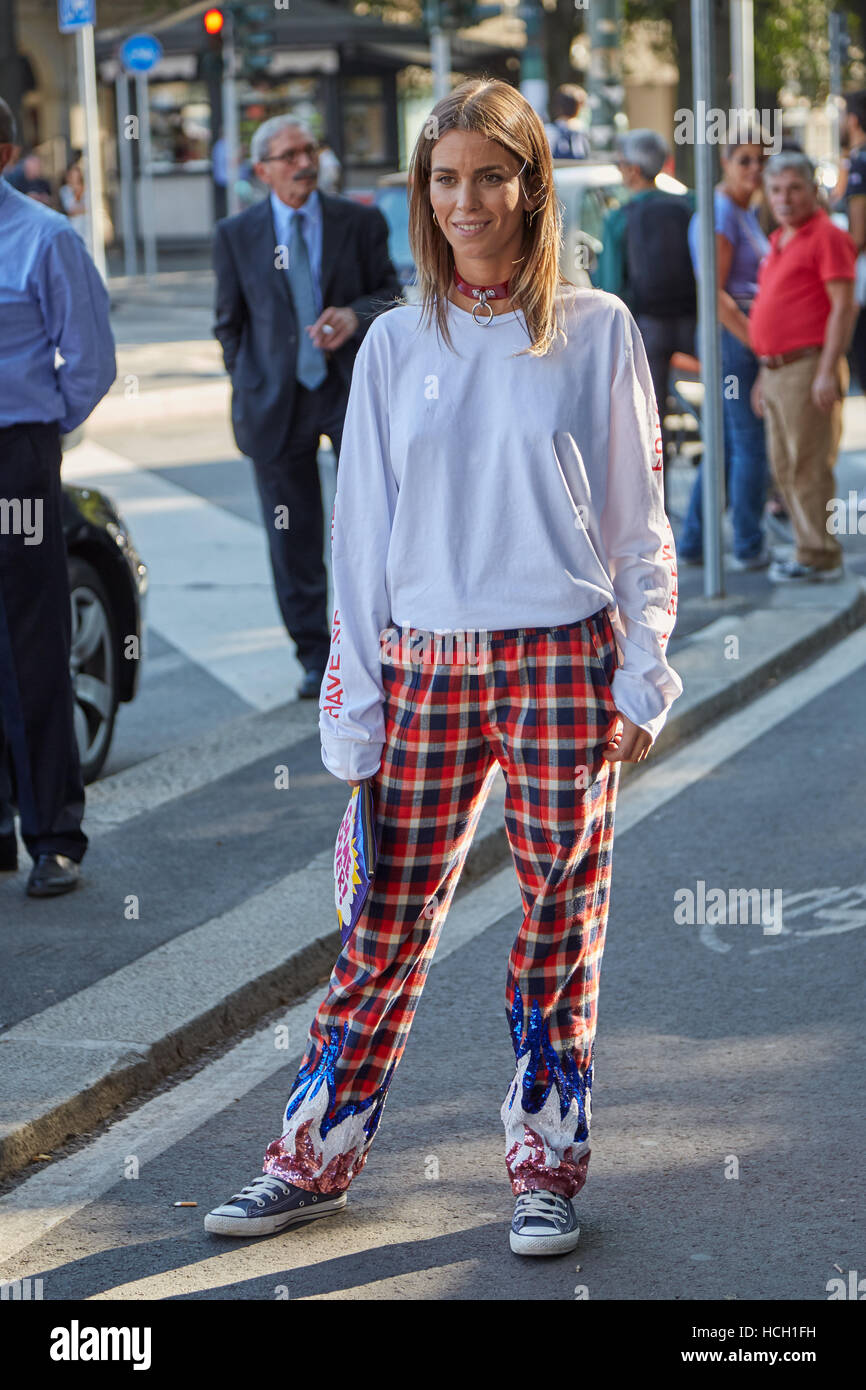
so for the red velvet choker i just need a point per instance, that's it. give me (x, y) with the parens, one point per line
(482, 293)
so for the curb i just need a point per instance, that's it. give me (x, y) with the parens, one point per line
(111, 1072)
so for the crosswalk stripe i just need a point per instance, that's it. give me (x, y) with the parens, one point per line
(211, 592)
(176, 772)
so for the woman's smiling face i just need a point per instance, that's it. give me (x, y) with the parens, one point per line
(476, 195)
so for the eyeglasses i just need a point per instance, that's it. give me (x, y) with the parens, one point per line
(290, 156)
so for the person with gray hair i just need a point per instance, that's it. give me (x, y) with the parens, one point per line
(300, 277)
(644, 150)
(800, 327)
(645, 260)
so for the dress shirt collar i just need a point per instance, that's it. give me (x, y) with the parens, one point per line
(283, 213)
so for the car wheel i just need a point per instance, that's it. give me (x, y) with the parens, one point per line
(93, 667)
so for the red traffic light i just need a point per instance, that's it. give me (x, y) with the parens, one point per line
(213, 21)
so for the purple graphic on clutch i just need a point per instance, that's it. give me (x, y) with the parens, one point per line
(354, 858)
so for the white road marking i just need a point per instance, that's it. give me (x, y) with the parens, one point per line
(50, 1197)
(211, 592)
(163, 778)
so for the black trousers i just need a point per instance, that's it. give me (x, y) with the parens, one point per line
(857, 350)
(662, 338)
(291, 480)
(37, 732)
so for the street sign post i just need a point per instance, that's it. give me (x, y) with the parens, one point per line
(231, 123)
(78, 17)
(140, 52)
(138, 55)
(127, 176)
(73, 15)
(708, 323)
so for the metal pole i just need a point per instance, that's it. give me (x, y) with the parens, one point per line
(145, 174)
(87, 88)
(605, 89)
(743, 54)
(835, 84)
(440, 52)
(127, 177)
(713, 460)
(231, 133)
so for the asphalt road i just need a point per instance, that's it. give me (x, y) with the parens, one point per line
(728, 1126)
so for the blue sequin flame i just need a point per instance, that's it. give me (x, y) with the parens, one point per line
(311, 1077)
(564, 1074)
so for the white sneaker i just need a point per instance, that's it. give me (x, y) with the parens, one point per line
(790, 571)
(544, 1223)
(270, 1205)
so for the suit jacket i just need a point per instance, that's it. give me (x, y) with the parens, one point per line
(256, 322)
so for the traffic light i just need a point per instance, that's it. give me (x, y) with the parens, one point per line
(210, 60)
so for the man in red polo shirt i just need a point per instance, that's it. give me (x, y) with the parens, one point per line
(800, 325)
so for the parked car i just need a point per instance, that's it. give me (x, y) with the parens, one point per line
(108, 583)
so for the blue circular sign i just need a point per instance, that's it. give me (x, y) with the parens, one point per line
(140, 53)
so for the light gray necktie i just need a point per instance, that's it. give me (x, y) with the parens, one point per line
(311, 367)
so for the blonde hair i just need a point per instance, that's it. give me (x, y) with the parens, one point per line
(500, 112)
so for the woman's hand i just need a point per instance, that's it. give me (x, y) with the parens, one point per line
(629, 743)
(354, 784)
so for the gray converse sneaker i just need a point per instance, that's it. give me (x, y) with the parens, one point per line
(269, 1205)
(544, 1223)
(790, 571)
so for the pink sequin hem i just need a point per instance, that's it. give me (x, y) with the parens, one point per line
(567, 1179)
(301, 1168)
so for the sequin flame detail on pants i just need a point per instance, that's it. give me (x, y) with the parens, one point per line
(322, 1149)
(546, 1134)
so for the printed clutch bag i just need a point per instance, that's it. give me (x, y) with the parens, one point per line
(354, 858)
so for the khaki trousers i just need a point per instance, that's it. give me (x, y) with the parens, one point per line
(803, 442)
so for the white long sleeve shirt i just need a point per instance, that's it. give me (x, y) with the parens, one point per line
(488, 491)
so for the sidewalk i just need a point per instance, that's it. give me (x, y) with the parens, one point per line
(143, 1000)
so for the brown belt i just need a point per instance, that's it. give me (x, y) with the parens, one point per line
(781, 359)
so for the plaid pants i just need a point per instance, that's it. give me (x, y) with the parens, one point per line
(538, 702)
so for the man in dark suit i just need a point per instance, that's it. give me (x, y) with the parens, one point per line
(300, 277)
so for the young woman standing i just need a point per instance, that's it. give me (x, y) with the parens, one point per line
(499, 502)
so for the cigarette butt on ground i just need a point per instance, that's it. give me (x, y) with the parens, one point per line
(47, 1157)
(186, 1204)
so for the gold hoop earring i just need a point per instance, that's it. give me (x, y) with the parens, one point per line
(435, 223)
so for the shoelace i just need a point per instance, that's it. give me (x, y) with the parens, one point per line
(260, 1188)
(549, 1205)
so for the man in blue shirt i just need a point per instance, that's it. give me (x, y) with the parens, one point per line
(52, 301)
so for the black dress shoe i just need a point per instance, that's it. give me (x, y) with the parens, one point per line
(311, 685)
(8, 853)
(52, 874)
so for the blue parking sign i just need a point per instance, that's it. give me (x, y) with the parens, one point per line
(75, 14)
(140, 53)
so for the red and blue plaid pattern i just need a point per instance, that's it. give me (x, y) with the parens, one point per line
(537, 701)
